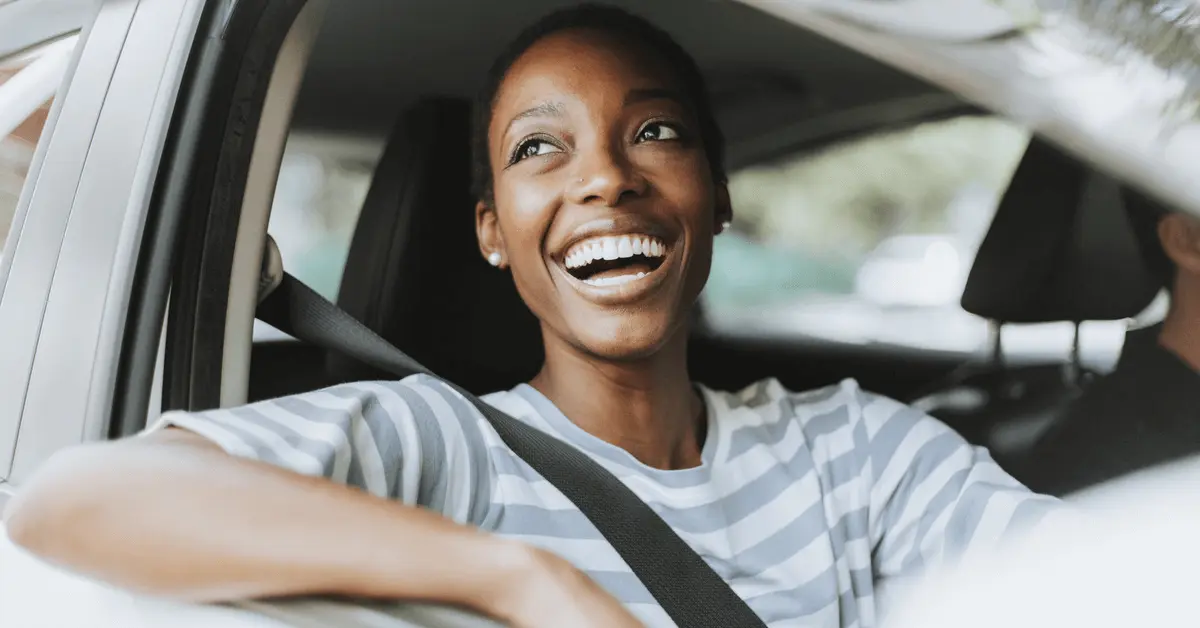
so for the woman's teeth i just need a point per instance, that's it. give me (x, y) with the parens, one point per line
(613, 281)
(614, 247)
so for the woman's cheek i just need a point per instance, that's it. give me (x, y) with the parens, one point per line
(526, 212)
(524, 203)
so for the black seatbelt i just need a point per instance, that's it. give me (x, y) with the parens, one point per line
(678, 578)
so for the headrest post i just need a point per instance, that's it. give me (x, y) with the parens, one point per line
(994, 333)
(1073, 369)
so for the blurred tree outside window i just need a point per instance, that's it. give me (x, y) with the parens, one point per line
(869, 241)
(813, 220)
(866, 240)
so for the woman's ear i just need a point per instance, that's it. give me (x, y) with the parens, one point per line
(724, 208)
(1180, 238)
(487, 231)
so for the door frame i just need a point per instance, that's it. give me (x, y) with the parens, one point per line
(67, 280)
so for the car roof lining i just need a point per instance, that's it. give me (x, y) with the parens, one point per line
(376, 57)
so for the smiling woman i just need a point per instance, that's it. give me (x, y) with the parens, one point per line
(646, 150)
(601, 190)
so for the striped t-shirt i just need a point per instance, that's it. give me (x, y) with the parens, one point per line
(804, 502)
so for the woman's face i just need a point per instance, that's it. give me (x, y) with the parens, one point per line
(605, 205)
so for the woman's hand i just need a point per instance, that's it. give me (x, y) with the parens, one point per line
(554, 594)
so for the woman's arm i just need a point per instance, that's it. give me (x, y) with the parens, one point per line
(345, 491)
(934, 496)
(171, 514)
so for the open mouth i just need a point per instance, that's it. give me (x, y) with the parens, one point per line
(614, 260)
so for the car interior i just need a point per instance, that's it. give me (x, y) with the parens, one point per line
(401, 76)
(394, 79)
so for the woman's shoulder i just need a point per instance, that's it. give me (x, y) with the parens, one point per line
(841, 403)
(424, 402)
(771, 392)
(421, 394)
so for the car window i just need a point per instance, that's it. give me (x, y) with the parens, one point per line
(323, 181)
(870, 240)
(28, 83)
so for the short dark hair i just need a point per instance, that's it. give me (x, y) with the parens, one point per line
(606, 19)
(1145, 214)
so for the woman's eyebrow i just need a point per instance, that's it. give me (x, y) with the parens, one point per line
(547, 109)
(654, 93)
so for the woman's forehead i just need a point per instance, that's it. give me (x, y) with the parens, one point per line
(580, 63)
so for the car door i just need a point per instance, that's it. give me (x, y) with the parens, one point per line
(71, 259)
(154, 172)
(158, 160)
(157, 102)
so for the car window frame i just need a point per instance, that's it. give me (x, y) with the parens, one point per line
(214, 281)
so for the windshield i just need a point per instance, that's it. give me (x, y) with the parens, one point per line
(1115, 82)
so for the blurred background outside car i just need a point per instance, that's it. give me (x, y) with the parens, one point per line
(866, 241)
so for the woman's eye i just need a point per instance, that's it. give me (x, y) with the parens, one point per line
(657, 131)
(534, 148)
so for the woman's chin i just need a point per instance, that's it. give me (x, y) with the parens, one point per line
(629, 340)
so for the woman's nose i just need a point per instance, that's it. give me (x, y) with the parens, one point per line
(605, 175)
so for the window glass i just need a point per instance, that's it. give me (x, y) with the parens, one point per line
(870, 240)
(28, 82)
(323, 181)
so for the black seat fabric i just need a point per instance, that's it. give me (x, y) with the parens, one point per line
(1060, 248)
(414, 273)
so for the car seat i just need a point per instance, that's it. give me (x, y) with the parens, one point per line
(1060, 248)
(414, 273)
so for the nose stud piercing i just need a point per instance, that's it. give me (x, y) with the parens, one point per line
(494, 258)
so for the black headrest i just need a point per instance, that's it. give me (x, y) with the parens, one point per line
(414, 273)
(1060, 248)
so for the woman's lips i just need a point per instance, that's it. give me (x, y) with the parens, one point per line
(619, 286)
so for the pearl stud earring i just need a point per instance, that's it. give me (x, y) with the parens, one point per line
(494, 258)
(726, 225)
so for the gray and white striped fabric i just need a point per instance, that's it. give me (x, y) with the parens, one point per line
(804, 502)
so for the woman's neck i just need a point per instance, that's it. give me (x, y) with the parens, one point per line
(646, 407)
